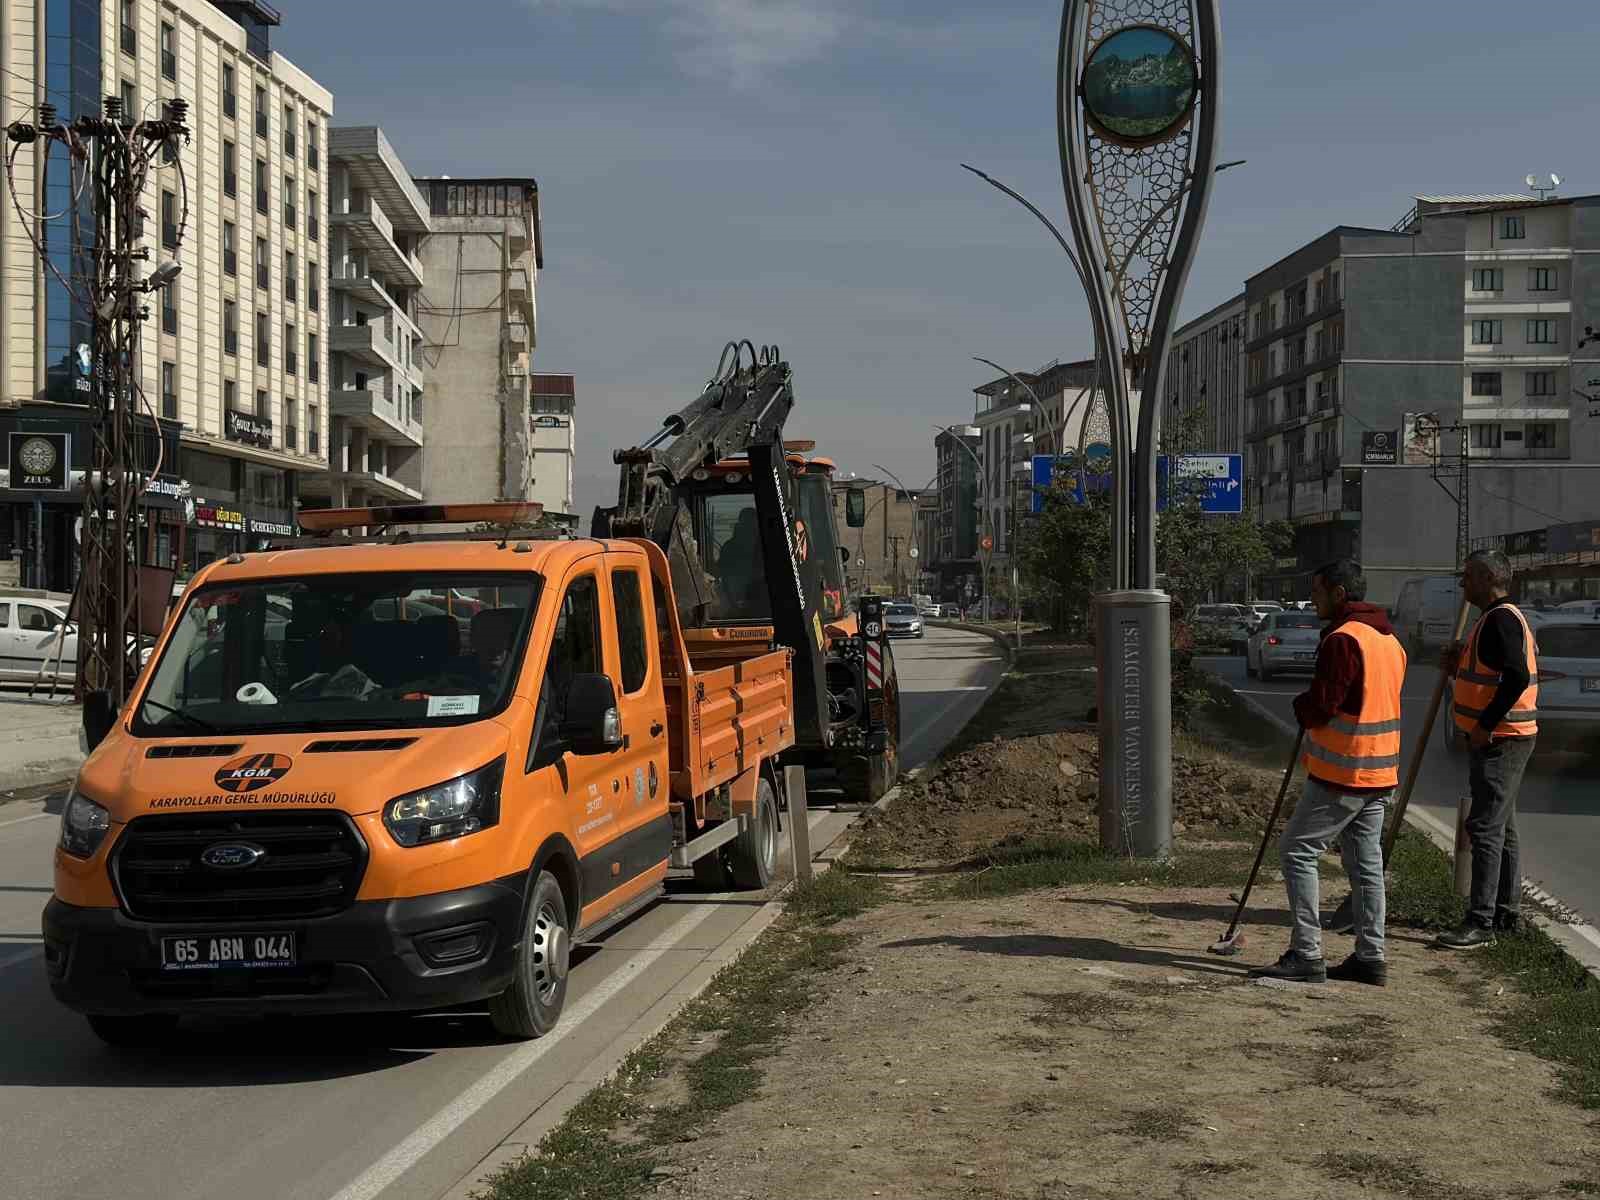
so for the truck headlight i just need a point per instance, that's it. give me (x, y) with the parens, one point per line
(451, 809)
(84, 825)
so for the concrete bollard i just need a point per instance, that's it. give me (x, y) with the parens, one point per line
(1463, 849)
(794, 790)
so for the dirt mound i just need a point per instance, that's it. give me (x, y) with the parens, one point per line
(1043, 784)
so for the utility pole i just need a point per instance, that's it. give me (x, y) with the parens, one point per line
(899, 584)
(114, 153)
(1450, 472)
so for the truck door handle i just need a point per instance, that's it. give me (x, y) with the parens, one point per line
(655, 728)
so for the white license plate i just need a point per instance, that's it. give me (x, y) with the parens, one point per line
(1589, 683)
(228, 951)
(1305, 656)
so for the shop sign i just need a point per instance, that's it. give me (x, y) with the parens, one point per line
(1380, 447)
(84, 362)
(39, 461)
(249, 428)
(271, 528)
(176, 489)
(214, 516)
(549, 422)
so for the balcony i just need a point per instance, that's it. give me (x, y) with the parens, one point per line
(520, 292)
(376, 170)
(366, 343)
(376, 413)
(373, 232)
(376, 482)
(517, 335)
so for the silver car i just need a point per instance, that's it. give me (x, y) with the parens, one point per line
(902, 620)
(1285, 641)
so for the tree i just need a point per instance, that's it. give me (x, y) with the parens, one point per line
(1069, 552)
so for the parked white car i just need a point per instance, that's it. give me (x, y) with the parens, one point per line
(1222, 625)
(1285, 641)
(1260, 610)
(31, 635)
(1569, 686)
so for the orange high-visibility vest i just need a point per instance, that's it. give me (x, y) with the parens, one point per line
(1475, 684)
(1364, 750)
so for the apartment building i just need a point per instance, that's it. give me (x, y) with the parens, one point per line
(1205, 376)
(479, 319)
(955, 560)
(555, 442)
(1471, 310)
(377, 221)
(230, 357)
(880, 550)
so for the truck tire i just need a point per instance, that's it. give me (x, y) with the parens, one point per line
(753, 856)
(711, 871)
(531, 1006)
(128, 1031)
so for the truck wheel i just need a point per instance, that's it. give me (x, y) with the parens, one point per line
(754, 856)
(145, 1030)
(531, 1006)
(711, 872)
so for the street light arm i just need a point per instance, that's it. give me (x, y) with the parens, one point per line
(1044, 220)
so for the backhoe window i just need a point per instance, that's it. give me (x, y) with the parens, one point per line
(732, 541)
(816, 509)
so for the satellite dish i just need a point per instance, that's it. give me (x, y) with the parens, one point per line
(1532, 180)
(1555, 180)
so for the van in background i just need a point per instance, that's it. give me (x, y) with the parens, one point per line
(1425, 611)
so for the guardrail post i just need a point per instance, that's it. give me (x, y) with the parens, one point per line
(794, 790)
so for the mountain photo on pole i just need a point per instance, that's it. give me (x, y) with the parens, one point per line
(1137, 104)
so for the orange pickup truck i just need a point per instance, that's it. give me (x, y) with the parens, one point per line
(402, 773)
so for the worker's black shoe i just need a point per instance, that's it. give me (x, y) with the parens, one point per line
(1295, 967)
(1361, 970)
(1508, 923)
(1467, 936)
(1343, 919)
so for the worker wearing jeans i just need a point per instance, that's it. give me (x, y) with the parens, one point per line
(1351, 719)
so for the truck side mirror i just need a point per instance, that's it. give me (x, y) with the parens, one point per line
(593, 724)
(855, 508)
(99, 715)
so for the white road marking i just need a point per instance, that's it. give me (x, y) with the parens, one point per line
(11, 960)
(19, 820)
(452, 1116)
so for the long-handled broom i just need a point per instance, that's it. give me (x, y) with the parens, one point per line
(1233, 941)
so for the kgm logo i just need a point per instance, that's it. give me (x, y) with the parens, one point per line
(252, 772)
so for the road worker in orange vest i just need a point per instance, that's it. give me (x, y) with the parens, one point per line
(1494, 700)
(1351, 718)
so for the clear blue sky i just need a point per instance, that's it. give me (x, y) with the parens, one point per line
(787, 170)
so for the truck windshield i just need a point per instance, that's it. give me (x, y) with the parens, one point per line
(371, 651)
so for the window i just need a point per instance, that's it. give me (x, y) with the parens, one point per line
(311, 145)
(1541, 435)
(130, 32)
(230, 92)
(1541, 279)
(631, 642)
(261, 186)
(263, 272)
(291, 277)
(313, 363)
(1488, 279)
(169, 51)
(313, 299)
(1485, 333)
(230, 248)
(261, 112)
(169, 220)
(288, 201)
(289, 124)
(35, 619)
(1541, 332)
(574, 650)
(230, 327)
(291, 350)
(1486, 383)
(230, 396)
(313, 430)
(169, 145)
(169, 308)
(263, 403)
(263, 341)
(169, 390)
(1486, 436)
(291, 434)
(1539, 383)
(1335, 286)
(230, 169)
(312, 224)
(1512, 228)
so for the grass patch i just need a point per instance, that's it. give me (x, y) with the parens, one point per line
(1399, 1174)
(1025, 864)
(607, 1147)
(1554, 1004)
(1160, 1123)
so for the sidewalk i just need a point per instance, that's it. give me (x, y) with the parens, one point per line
(38, 741)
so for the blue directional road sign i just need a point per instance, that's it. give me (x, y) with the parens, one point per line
(1047, 468)
(1217, 478)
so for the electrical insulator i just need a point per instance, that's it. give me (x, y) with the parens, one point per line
(47, 115)
(113, 108)
(177, 110)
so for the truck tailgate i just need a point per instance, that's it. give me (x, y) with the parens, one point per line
(727, 719)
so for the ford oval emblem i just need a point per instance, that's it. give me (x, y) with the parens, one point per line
(231, 856)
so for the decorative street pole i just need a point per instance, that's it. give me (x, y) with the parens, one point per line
(1137, 84)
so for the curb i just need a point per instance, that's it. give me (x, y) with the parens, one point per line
(1579, 939)
(1006, 641)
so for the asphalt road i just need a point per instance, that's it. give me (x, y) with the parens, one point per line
(1558, 809)
(357, 1108)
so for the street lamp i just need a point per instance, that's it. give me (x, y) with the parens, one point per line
(986, 546)
(912, 495)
